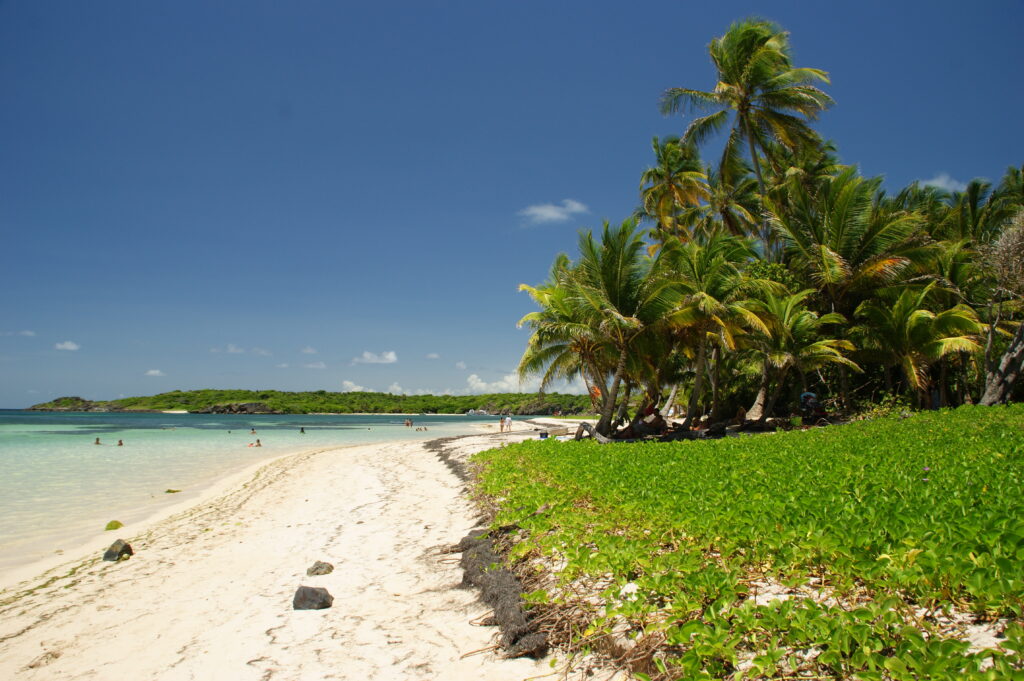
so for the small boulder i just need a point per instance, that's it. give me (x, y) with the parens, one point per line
(119, 550)
(312, 598)
(320, 568)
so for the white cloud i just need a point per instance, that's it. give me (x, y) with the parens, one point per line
(387, 357)
(315, 365)
(944, 181)
(67, 345)
(308, 350)
(433, 355)
(155, 372)
(234, 349)
(549, 212)
(510, 383)
(395, 389)
(261, 352)
(350, 387)
(460, 365)
(284, 365)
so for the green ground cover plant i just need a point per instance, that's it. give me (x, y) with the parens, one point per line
(885, 542)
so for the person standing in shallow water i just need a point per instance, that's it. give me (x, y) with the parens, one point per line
(97, 441)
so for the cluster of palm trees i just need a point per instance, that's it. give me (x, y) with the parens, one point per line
(776, 269)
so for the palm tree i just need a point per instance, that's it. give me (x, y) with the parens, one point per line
(712, 310)
(906, 334)
(563, 344)
(732, 202)
(769, 98)
(846, 240)
(595, 310)
(675, 182)
(795, 339)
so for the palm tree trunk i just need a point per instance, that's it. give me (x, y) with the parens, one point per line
(620, 414)
(670, 402)
(605, 422)
(758, 410)
(1000, 381)
(716, 362)
(780, 381)
(760, 184)
(698, 384)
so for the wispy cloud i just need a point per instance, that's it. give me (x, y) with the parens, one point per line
(386, 357)
(314, 365)
(68, 345)
(433, 355)
(350, 387)
(18, 333)
(308, 350)
(395, 389)
(234, 349)
(460, 365)
(550, 212)
(945, 181)
(261, 352)
(283, 365)
(155, 372)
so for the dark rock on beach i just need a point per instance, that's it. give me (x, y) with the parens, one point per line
(119, 550)
(312, 598)
(320, 568)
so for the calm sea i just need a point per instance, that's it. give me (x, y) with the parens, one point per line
(58, 488)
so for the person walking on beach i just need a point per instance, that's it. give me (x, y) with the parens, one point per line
(501, 424)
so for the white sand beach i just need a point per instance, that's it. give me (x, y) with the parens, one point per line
(208, 593)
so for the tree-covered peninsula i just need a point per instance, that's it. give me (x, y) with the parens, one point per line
(322, 401)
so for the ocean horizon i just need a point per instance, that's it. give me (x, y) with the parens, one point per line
(60, 489)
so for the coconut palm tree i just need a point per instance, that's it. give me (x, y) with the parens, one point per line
(906, 334)
(676, 181)
(769, 99)
(623, 293)
(563, 344)
(712, 310)
(846, 240)
(796, 338)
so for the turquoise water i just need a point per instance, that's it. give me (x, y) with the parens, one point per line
(58, 486)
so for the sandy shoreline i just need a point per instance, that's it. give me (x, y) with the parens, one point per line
(208, 593)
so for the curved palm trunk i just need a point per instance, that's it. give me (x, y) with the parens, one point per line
(605, 422)
(757, 410)
(621, 413)
(698, 385)
(671, 401)
(1000, 380)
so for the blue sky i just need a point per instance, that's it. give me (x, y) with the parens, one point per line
(314, 195)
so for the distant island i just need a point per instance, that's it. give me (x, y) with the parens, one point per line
(322, 401)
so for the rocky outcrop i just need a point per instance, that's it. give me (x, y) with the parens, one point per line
(238, 408)
(312, 598)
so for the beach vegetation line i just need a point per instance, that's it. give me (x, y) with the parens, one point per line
(890, 548)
